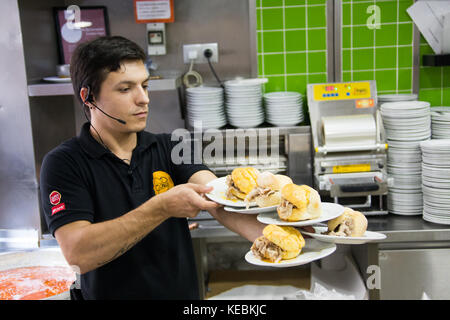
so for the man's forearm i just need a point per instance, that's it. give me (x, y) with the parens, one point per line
(246, 225)
(243, 224)
(99, 243)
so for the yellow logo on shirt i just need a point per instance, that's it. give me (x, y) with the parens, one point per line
(161, 182)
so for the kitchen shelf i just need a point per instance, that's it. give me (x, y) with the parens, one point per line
(436, 60)
(42, 89)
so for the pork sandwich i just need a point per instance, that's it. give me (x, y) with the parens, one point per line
(299, 203)
(268, 189)
(278, 243)
(349, 224)
(240, 182)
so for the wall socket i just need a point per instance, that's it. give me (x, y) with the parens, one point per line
(195, 51)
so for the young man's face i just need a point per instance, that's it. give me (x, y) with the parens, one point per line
(124, 95)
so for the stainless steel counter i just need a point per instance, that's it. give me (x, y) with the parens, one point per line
(414, 249)
(413, 259)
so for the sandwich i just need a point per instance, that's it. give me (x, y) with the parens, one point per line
(299, 203)
(268, 189)
(278, 243)
(240, 182)
(349, 224)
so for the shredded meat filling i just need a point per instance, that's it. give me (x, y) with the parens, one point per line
(262, 248)
(257, 192)
(231, 186)
(285, 209)
(342, 230)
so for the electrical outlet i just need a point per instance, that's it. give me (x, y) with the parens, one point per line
(192, 50)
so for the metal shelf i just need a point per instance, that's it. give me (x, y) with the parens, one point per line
(62, 89)
(436, 60)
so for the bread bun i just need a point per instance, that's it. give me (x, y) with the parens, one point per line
(289, 239)
(283, 180)
(268, 180)
(306, 201)
(244, 179)
(351, 223)
(273, 181)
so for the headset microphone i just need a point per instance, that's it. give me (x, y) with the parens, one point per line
(89, 99)
(117, 119)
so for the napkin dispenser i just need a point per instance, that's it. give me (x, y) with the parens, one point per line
(432, 18)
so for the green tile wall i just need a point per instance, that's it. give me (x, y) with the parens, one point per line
(291, 39)
(383, 54)
(292, 48)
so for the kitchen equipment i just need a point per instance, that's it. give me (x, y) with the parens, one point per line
(349, 147)
(283, 150)
(280, 150)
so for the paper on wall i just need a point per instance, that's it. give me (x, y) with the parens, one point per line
(433, 20)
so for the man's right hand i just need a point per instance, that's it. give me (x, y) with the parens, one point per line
(185, 200)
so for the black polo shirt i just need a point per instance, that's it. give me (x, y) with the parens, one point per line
(81, 180)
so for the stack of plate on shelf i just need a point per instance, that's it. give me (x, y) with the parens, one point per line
(244, 102)
(284, 108)
(440, 122)
(406, 123)
(436, 180)
(205, 107)
(396, 97)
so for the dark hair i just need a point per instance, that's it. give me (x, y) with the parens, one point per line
(93, 60)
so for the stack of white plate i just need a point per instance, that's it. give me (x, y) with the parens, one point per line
(436, 180)
(205, 106)
(244, 102)
(406, 123)
(284, 108)
(440, 122)
(396, 97)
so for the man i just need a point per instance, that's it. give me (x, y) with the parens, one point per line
(113, 198)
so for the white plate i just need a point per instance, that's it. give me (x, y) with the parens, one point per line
(254, 210)
(218, 194)
(429, 218)
(245, 82)
(57, 79)
(396, 97)
(329, 211)
(368, 236)
(283, 94)
(313, 250)
(205, 90)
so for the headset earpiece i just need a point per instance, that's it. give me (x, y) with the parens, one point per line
(88, 97)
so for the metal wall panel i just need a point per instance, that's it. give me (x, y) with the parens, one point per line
(19, 206)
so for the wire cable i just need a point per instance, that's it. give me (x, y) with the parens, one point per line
(192, 73)
(214, 72)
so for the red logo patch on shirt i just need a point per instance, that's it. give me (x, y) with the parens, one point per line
(58, 208)
(55, 198)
